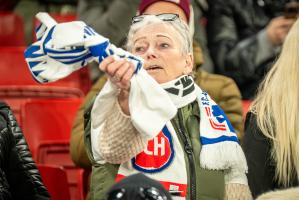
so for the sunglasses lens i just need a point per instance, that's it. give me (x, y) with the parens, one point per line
(163, 17)
(137, 19)
(168, 17)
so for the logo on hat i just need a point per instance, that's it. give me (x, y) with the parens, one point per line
(157, 156)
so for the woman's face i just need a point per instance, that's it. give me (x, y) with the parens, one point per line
(160, 47)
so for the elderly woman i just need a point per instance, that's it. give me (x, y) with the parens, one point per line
(196, 154)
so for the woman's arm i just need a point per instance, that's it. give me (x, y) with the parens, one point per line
(120, 141)
(236, 191)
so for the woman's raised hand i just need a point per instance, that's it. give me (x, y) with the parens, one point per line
(118, 70)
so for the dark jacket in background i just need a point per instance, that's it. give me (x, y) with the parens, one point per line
(261, 168)
(19, 177)
(8, 5)
(110, 18)
(238, 43)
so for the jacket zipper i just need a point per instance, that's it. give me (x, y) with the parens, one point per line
(189, 151)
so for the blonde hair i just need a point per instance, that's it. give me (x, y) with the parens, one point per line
(277, 108)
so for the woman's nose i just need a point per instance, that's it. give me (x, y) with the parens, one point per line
(151, 53)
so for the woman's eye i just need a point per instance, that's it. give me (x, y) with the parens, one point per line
(164, 45)
(139, 49)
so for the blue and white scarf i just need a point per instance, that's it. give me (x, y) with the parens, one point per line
(63, 48)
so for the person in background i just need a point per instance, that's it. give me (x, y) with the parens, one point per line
(198, 12)
(118, 148)
(271, 137)
(8, 5)
(19, 177)
(244, 38)
(110, 18)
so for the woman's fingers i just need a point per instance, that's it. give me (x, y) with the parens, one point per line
(122, 70)
(114, 67)
(110, 65)
(278, 28)
(124, 75)
(104, 64)
(119, 71)
(128, 75)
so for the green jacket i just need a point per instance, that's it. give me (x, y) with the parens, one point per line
(202, 184)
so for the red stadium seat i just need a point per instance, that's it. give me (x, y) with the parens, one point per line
(11, 29)
(83, 183)
(17, 96)
(14, 72)
(48, 121)
(57, 153)
(17, 85)
(55, 179)
(47, 125)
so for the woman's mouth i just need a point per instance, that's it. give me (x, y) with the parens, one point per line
(153, 67)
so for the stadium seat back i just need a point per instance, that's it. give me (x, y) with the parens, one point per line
(55, 179)
(11, 29)
(47, 125)
(14, 71)
(48, 121)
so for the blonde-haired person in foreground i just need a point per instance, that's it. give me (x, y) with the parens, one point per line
(287, 194)
(271, 138)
